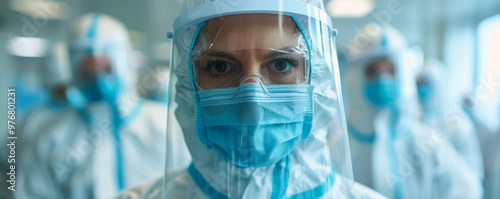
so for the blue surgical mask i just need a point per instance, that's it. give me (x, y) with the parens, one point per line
(254, 125)
(424, 92)
(105, 87)
(381, 92)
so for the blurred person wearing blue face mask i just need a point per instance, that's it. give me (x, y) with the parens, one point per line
(441, 112)
(106, 138)
(257, 99)
(381, 88)
(392, 152)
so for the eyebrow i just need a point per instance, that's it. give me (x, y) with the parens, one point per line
(281, 51)
(220, 54)
(225, 55)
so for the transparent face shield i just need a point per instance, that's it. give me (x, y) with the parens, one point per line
(257, 99)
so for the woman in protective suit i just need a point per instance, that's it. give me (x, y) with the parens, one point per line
(256, 95)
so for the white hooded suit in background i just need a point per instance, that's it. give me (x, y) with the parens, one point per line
(106, 138)
(392, 151)
(445, 115)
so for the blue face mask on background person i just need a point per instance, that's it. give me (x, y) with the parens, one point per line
(250, 127)
(424, 92)
(105, 87)
(381, 92)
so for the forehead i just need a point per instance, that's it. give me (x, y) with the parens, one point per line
(381, 62)
(249, 31)
(92, 63)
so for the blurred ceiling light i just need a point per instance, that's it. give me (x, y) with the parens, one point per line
(27, 47)
(349, 8)
(48, 9)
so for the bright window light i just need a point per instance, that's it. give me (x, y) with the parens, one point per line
(27, 47)
(48, 9)
(349, 8)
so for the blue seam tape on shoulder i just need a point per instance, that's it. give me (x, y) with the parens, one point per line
(93, 27)
(119, 161)
(134, 113)
(361, 137)
(117, 124)
(203, 185)
(116, 137)
(394, 164)
(280, 178)
(318, 191)
(116, 127)
(210, 192)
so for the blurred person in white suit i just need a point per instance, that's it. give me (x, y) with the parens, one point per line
(484, 109)
(392, 151)
(106, 138)
(441, 112)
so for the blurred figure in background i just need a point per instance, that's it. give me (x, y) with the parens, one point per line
(484, 110)
(443, 114)
(392, 151)
(57, 75)
(29, 57)
(106, 138)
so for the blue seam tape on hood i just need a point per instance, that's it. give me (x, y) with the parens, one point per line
(93, 27)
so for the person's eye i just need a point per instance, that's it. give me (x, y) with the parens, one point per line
(218, 67)
(281, 65)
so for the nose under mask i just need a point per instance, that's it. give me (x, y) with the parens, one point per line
(381, 92)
